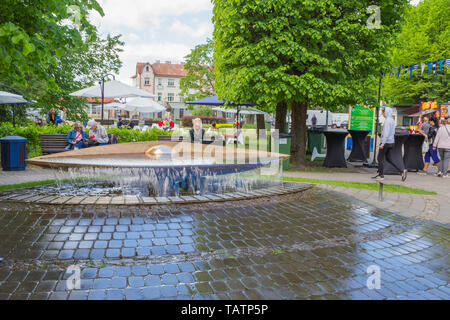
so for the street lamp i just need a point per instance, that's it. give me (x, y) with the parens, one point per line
(102, 87)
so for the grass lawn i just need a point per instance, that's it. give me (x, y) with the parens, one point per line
(26, 185)
(363, 185)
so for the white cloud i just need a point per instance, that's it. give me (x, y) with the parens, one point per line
(145, 14)
(149, 52)
(182, 29)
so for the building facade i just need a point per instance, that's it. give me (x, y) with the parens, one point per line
(161, 79)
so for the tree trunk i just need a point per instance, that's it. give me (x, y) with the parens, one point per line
(260, 123)
(280, 117)
(298, 128)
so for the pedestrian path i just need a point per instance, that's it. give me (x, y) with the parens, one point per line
(426, 207)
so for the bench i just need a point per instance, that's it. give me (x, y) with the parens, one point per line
(54, 143)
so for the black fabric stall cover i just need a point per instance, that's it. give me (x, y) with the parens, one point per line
(335, 149)
(358, 154)
(396, 154)
(413, 152)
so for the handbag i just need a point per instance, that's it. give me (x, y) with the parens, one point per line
(425, 145)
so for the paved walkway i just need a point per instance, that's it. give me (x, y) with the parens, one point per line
(319, 244)
(435, 208)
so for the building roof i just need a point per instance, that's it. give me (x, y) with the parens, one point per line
(162, 69)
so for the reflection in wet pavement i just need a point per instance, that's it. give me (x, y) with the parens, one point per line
(312, 245)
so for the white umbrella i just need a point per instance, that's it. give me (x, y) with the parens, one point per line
(111, 106)
(144, 105)
(10, 98)
(112, 89)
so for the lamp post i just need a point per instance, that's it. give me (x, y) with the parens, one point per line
(102, 88)
(377, 121)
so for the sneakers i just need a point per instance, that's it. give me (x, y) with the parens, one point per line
(421, 173)
(375, 177)
(439, 174)
(379, 178)
(446, 176)
(404, 174)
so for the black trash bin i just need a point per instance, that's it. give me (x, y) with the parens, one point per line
(14, 153)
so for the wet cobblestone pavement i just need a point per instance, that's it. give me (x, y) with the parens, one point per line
(316, 244)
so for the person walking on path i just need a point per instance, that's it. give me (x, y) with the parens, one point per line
(442, 143)
(431, 152)
(386, 146)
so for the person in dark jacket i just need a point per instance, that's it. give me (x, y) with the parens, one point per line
(197, 133)
(77, 137)
(51, 116)
(432, 153)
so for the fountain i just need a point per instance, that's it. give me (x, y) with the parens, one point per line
(163, 169)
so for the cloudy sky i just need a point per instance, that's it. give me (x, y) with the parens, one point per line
(156, 29)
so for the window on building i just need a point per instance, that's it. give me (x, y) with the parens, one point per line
(159, 96)
(170, 97)
(147, 68)
(147, 81)
(159, 82)
(181, 99)
(171, 82)
(181, 113)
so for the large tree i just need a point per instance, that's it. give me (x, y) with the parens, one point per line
(424, 37)
(34, 34)
(300, 52)
(199, 81)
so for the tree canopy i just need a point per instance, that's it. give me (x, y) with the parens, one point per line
(66, 53)
(301, 52)
(34, 34)
(424, 37)
(199, 81)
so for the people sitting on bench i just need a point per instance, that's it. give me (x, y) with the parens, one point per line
(97, 134)
(77, 137)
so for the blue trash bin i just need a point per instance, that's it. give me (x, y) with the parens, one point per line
(14, 153)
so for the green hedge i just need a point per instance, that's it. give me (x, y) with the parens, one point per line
(33, 133)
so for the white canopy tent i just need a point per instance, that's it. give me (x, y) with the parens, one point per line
(11, 98)
(144, 105)
(112, 89)
(111, 106)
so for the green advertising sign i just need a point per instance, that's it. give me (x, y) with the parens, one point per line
(362, 118)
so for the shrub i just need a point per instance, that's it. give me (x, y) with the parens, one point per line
(187, 120)
(33, 133)
(224, 125)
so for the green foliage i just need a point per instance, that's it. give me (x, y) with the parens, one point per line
(202, 111)
(67, 55)
(34, 34)
(317, 51)
(425, 36)
(301, 52)
(199, 81)
(33, 133)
